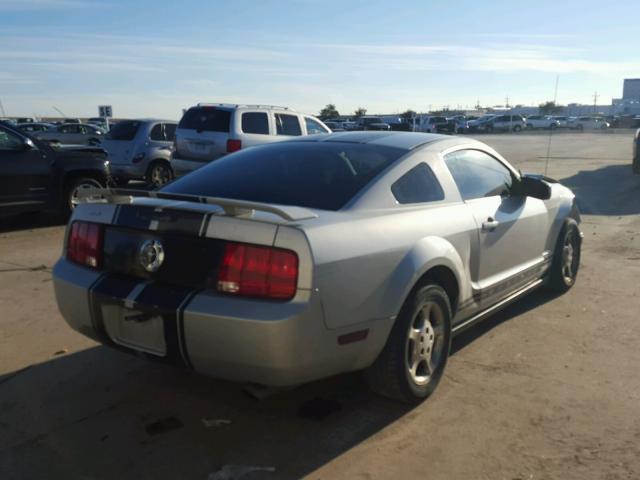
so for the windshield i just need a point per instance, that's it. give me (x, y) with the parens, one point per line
(125, 130)
(323, 175)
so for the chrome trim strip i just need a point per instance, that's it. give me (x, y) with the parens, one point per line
(495, 307)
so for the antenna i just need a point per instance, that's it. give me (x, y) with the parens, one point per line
(555, 99)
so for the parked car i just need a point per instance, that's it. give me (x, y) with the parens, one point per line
(100, 122)
(588, 123)
(207, 132)
(34, 176)
(24, 120)
(34, 127)
(460, 124)
(334, 126)
(434, 124)
(372, 123)
(546, 122)
(478, 124)
(562, 121)
(636, 153)
(141, 150)
(504, 123)
(73, 134)
(289, 262)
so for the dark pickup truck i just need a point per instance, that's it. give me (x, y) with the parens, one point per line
(35, 176)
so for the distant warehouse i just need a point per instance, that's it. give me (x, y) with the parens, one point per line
(631, 89)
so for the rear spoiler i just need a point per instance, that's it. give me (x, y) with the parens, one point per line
(231, 207)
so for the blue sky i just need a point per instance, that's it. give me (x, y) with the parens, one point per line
(153, 58)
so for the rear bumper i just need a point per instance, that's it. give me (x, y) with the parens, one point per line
(182, 166)
(269, 343)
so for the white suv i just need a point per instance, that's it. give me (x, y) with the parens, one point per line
(208, 131)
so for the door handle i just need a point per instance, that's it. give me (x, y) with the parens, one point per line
(490, 225)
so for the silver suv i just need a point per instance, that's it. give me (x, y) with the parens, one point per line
(141, 150)
(209, 131)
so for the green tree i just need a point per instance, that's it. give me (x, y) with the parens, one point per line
(549, 108)
(329, 112)
(360, 112)
(408, 115)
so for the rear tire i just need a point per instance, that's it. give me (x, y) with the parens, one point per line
(411, 364)
(566, 258)
(159, 174)
(517, 128)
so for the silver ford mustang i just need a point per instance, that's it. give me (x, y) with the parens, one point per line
(289, 262)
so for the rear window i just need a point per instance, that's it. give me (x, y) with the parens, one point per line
(323, 175)
(206, 119)
(124, 130)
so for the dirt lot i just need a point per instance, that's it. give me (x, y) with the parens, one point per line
(548, 389)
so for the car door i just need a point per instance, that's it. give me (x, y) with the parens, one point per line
(68, 134)
(287, 125)
(24, 173)
(512, 230)
(255, 128)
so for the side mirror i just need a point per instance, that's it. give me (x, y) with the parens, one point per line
(28, 144)
(531, 186)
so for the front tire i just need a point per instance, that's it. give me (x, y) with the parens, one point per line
(411, 364)
(517, 128)
(74, 189)
(566, 258)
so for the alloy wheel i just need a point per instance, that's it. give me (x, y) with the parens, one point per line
(425, 343)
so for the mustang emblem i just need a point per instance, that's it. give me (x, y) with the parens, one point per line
(151, 255)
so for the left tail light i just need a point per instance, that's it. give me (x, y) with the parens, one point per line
(84, 246)
(233, 145)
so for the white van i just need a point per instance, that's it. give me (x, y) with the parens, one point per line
(208, 131)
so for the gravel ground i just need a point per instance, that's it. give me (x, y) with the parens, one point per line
(547, 389)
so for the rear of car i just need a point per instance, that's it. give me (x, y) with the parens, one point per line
(135, 146)
(208, 132)
(215, 272)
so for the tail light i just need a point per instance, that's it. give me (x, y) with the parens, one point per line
(254, 271)
(233, 145)
(85, 244)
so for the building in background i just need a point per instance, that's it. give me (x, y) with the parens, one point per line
(631, 89)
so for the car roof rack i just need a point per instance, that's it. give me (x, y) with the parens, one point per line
(238, 105)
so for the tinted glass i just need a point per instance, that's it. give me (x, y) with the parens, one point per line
(9, 141)
(125, 130)
(89, 129)
(308, 174)
(478, 174)
(170, 132)
(69, 129)
(418, 185)
(206, 119)
(156, 133)
(287, 124)
(255, 122)
(314, 127)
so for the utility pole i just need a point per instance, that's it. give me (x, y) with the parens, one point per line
(4, 114)
(595, 101)
(506, 101)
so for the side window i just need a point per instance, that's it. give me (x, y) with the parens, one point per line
(69, 129)
(418, 185)
(314, 127)
(287, 125)
(478, 174)
(255, 122)
(169, 132)
(9, 141)
(156, 134)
